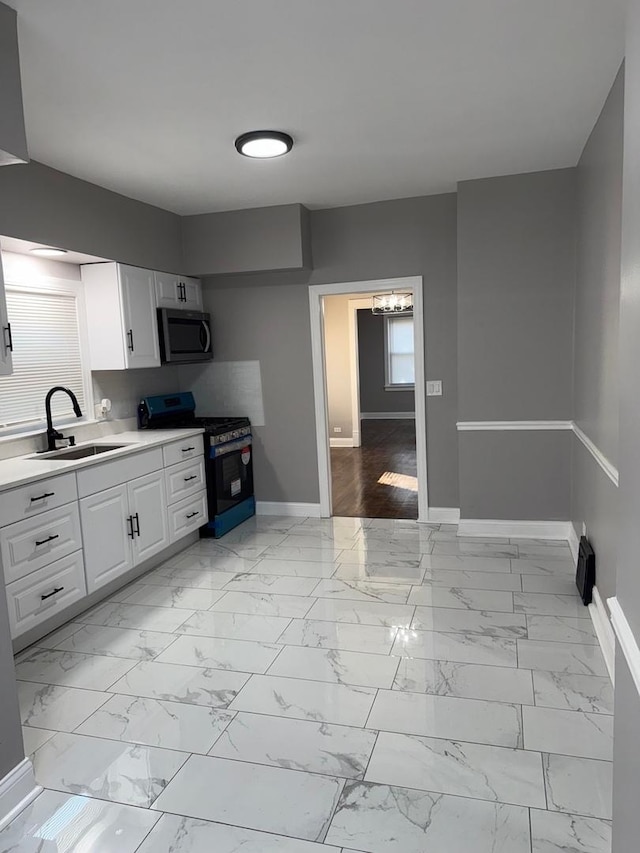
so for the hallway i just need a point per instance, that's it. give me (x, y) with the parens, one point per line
(388, 448)
(311, 686)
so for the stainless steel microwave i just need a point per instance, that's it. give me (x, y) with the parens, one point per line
(185, 336)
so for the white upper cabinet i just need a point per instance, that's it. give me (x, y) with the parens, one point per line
(6, 343)
(178, 291)
(121, 316)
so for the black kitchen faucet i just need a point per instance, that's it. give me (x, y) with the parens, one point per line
(52, 434)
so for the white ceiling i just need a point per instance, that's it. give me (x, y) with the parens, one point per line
(385, 98)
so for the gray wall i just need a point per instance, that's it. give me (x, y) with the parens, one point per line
(266, 317)
(46, 206)
(516, 276)
(626, 759)
(12, 134)
(371, 359)
(243, 241)
(270, 323)
(596, 337)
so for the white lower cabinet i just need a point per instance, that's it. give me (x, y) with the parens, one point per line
(148, 507)
(35, 542)
(43, 593)
(64, 537)
(122, 527)
(106, 534)
(187, 516)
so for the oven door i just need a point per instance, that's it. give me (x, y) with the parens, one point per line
(185, 336)
(230, 475)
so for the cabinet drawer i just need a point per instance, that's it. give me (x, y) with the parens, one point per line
(27, 501)
(29, 545)
(179, 451)
(35, 598)
(184, 479)
(97, 478)
(188, 515)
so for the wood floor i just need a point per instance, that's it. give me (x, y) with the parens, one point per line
(388, 448)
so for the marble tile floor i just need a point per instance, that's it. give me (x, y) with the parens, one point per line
(325, 686)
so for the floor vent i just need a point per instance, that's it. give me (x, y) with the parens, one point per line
(586, 570)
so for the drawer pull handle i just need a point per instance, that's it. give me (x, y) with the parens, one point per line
(191, 514)
(192, 477)
(137, 520)
(43, 497)
(48, 539)
(187, 449)
(130, 523)
(49, 594)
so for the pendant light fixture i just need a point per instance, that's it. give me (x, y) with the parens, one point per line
(264, 144)
(392, 303)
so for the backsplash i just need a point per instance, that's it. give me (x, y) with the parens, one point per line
(125, 387)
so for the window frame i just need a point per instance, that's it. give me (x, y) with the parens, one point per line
(388, 384)
(61, 287)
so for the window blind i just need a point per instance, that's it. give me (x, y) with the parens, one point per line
(46, 352)
(400, 350)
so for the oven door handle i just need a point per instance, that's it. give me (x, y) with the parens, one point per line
(207, 345)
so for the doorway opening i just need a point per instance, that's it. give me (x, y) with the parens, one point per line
(370, 401)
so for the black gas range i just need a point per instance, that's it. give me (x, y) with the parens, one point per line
(228, 456)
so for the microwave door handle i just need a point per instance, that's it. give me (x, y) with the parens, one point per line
(207, 333)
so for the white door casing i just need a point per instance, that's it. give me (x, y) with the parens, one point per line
(413, 284)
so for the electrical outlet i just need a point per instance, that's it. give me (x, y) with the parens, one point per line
(337, 429)
(434, 388)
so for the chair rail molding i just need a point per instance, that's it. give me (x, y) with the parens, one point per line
(532, 426)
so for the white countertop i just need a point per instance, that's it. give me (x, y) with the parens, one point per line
(26, 469)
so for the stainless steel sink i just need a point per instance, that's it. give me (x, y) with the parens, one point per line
(79, 452)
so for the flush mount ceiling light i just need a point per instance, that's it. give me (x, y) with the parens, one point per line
(392, 303)
(264, 144)
(48, 251)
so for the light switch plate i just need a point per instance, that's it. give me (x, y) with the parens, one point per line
(434, 388)
(337, 429)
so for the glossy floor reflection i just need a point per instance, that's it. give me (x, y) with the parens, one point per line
(316, 686)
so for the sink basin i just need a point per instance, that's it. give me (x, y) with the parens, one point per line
(79, 452)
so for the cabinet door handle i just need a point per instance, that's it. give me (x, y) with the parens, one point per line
(130, 336)
(8, 340)
(43, 497)
(192, 477)
(137, 520)
(187, 449)
(191, 514)
(49, 594)
(130, 534)
(48, 539)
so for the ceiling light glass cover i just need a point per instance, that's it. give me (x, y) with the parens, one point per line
(48, 251)
(264, 144)
(392, 303)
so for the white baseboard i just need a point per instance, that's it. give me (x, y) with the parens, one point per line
(574, 542)
(17, 790)
(604, 630)
(387, 416)
(443, 515)
(341, 442)
(519, 529)
(284, 508)
(626, 638)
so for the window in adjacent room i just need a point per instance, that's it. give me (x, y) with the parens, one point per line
(47, 351)
(399, 354)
